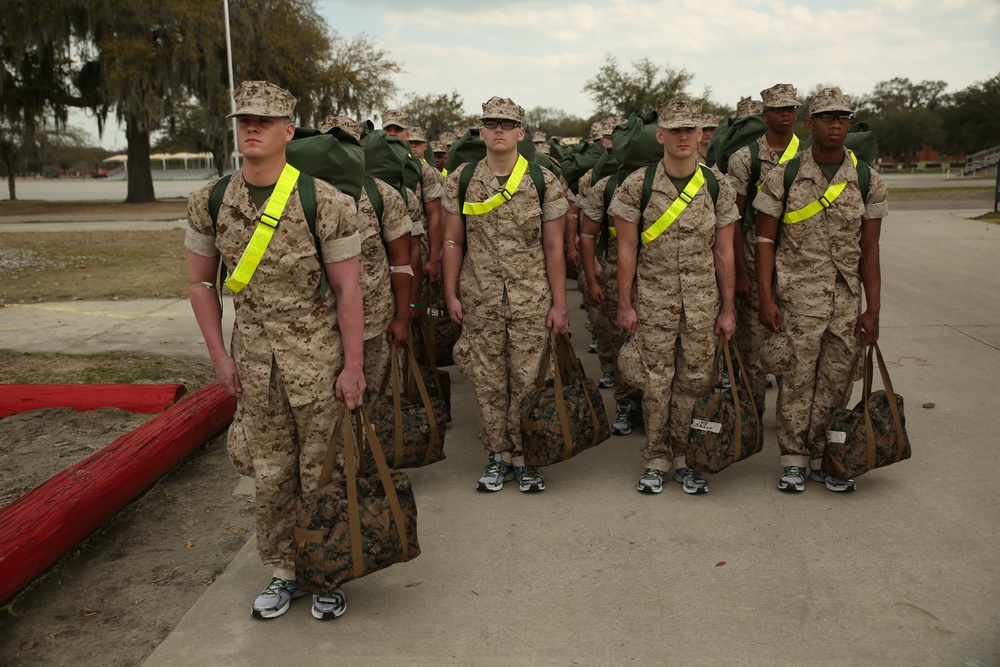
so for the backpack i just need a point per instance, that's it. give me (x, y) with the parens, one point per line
(580, 162)
(731, 137)
(335, 156)
(634, 144)
(375, 197)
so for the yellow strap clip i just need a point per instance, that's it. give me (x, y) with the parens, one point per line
(676, 208)
(262, 235)
(505, 195)
(824, 202)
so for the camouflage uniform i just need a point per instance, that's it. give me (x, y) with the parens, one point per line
(604, 319)
(376, 283)
(677, 302)
(749, 330)
(431, 189)
(819, 293)
(506, 298)
(285, 414)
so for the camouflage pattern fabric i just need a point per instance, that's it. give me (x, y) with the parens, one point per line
(847, 451)
(542, 431)
(712, 443)
(326, 552)
(376, 282)
(437, 330)
(431, 378)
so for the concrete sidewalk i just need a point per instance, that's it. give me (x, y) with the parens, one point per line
(904, 571)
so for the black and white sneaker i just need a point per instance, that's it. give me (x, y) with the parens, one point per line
(691, 481)
(832, 483)
(792, 480)
(326, 607)
(651, 481)
(606, 381)
(497, 472)
(626, 419)
(276, 599)
(530, 479)
(592, 348)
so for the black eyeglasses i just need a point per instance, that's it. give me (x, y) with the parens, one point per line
(505, 124)
(830, 117)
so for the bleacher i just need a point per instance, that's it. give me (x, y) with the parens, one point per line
(982, 160)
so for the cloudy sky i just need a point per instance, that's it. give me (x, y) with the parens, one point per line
(541, 53)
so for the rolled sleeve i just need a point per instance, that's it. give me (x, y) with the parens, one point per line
(336, 224)
(772, 193)
(450, 199)
(627, 197)
(341, 249)
(555, 205)
(739, 170)
(877, 205)
(199, 237)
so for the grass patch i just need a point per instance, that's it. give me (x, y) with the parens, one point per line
(59, 266)
(992, 216)
(105, 369)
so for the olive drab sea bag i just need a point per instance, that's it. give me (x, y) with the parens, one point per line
(725, 425)
(409, 422)
(873, 433)
(564, 415)
(353, 525)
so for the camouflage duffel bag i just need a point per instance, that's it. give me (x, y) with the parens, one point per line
(725, 425)
(409, 423)
(437, 332)
(432, 377)
(564, 415)
(352, 526)
(873, 434)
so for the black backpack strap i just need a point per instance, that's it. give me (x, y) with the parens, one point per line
(539, 179)
(864, 179)
(711, 183)
(463, 185)
(215, 199)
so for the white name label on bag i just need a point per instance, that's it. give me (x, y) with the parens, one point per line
(702, 425)
(836, 437)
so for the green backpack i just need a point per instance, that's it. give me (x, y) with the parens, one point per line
(580, 162)
(634, 144)
(731, 137)
(335, 156)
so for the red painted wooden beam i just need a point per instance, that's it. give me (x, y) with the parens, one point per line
(46, 522)
(148, 398)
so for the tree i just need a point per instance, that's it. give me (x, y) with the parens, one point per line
(972, 121)
(616, 91)
(557, 123)
(434, 113)
(357, 79)
(905, 116)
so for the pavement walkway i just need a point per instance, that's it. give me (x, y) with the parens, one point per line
(902, 572)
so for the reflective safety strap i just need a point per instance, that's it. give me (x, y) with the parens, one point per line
(676, 208)
(824, 202)
(261, 238)
(790, 151)
(479, 208)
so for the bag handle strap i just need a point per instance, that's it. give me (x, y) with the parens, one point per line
(417, 378)
(893, 407)
(326, 474)
(428, 336)
(572, 365)
(866, 392)
(559, 395)
(397, 406)
(353, 513)
(733, 388)
(388, 487)
(745, 377)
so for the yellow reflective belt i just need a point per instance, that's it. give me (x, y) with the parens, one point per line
(261, 238)
(676, 208)
(824, 202)
(444, 172)
(790, 151)
(514, 180)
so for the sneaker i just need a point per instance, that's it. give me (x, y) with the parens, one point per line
(832, 483)
(691, 481)
(792, 480)
(530, 479)
(725, 379)
(276, 598)
(592, 348)
(623, 424)
(769, 381)
(606, 381)
(326, 607)
(497, 472)
(651, 481)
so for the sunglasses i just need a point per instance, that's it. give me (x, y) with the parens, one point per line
(830, 117)
(505, 124)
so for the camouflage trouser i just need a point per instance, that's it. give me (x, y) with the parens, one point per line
(821, 351)
(376, 366)
(283, 447)
(501, 355)
(610, 336)
(749, 330)
(680, 368)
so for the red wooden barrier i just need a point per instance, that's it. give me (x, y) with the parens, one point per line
(44, 523)
(148, 398)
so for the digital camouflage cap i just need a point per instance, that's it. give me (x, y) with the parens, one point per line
(609, 124)
(438, 147)
(779, 95)
(260, 98)
(397, 118)
(748, 107)
(830, 99)
(502, 108)
(417, 134)
(538, 137)
(448, 138)
(343, 122)
(709, 120)
(679, 112)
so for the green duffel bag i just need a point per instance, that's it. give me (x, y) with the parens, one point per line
(606, 166)
(634, 144)
(382, 161)
(335, 156)
(731, 137)
(860, 139)
(467, 148)
(580, 162)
